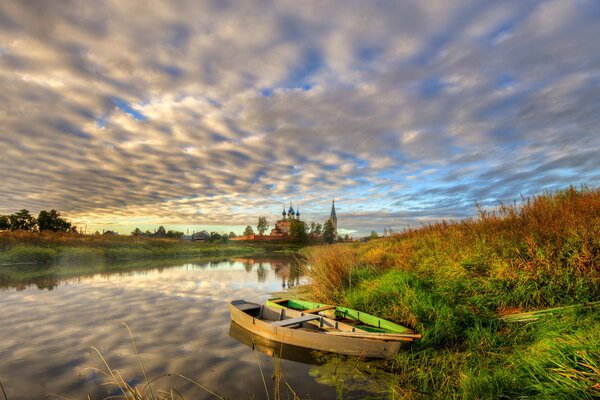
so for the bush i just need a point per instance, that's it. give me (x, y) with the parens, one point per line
(30, 254)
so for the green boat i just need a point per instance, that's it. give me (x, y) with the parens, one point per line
(359, 319)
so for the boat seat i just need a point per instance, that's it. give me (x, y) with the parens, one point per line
(295, 321)
(245, 306)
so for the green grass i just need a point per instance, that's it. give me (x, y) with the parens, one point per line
(61, 248)
(453, 281)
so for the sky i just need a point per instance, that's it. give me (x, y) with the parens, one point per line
(208, 114)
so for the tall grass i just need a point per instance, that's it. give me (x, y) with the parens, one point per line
(452, 282)
(146, 389)
(53, 247)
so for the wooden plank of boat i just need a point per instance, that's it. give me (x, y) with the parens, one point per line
(296, 321)
(318, 309)
(261, 321)
(381, 336)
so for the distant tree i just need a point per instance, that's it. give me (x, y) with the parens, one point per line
(4, 222)
(22, 221)
(262, 226)
(318, 230)
(137, 232)
(373, 235)
(232, 235)
(160, 232)
(329, 231)
(298, 231)
(311, 229)
(51, 221)
(148, 233)
(346, 237)
(315, 230)
(174, 234)
(97, 233)
(248, 231)
(215, 237)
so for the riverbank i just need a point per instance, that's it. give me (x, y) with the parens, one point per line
(66, 248)
(453, 282)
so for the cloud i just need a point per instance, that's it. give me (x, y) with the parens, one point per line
(213, 112)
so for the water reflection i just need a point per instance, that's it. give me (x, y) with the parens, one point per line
(288, 269)
(179, 317)
(22, 277)
(275, 349)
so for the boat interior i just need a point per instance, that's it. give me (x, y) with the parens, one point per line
(333, 313)
(306, 319)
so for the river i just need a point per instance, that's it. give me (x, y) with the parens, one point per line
(180, 321)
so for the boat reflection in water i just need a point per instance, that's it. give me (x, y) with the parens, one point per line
(276, 349)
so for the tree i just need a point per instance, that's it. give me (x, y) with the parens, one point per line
(51, 221)
(232, 235)
(174, 234)
(317, 230)
(248, 231)
(160, 232)
(4, 222)
(373, 235)
(262, 226)
(22, 221)
(311, 229)
(329, 231)
(137, 232)
(346, 237)
(298, 231)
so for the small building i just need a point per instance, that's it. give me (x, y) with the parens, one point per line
(201, 236)
(109, 233)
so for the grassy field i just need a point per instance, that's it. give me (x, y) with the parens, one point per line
(453, 282)
(64, 248)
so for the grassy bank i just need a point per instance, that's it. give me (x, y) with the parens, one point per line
(453, 281)
(68, 248)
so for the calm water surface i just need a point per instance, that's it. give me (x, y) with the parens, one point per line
(180, 321)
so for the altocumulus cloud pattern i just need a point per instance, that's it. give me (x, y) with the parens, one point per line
(214, 112)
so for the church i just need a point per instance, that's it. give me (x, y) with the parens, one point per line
(284, 225)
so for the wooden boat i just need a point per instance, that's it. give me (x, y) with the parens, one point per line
(272, 348)
(314, 331)
(356, 318)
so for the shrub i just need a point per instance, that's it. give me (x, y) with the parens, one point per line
(30, 254)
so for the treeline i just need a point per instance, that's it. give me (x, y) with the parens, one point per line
(300, 231)
(160, 232)
(46, 221)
